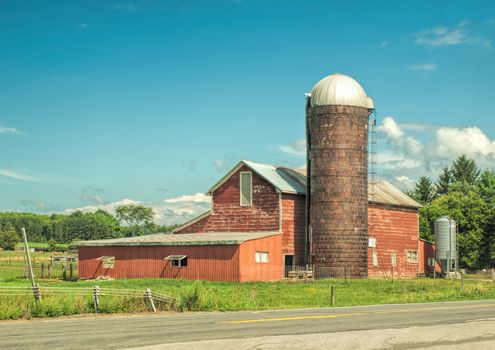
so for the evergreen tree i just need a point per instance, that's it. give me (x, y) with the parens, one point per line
(465, 169)
(423, 191)
(444, 181)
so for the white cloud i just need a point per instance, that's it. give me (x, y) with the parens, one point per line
(405, 180)
(407, 156)
(168, 211)
(397, 138)
(110, 207)
(445, 36)
(198, 197)
(19, 175)
(451, 142)
(297, 148)
(8, 130)
(383, 44)
(426, 67)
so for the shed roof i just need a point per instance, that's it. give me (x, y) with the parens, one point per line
(168, 239)
(293, 180)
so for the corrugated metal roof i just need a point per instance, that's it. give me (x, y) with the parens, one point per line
(168, 239)
(293, 180)
(287, 180)
(386, 193)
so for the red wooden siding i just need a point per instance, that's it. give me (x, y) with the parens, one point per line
(396, 230)
(229, 216)
(427, 250)
(250, 270)
(293, 226)
(214, 263)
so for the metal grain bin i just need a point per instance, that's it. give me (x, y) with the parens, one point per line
(337, 131)
(445, 243)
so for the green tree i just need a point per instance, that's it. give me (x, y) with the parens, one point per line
(444, 181)
(468, 209)
(424, 191)
(486, 188)
(135, 217)
(465, 169)
(9, 239)
(52, 245)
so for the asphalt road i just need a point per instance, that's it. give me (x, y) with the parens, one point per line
(410, 326)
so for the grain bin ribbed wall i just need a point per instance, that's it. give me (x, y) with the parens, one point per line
(338, 177)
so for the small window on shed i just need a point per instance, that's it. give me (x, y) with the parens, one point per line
(246, 188)
(108, 262)
(412, 256)
(262, 257)
(177, 260)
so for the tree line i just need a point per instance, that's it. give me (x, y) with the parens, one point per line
(129, 220)
(466, 194)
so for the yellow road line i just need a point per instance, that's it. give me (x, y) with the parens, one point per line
(294, 318)
(297, 318)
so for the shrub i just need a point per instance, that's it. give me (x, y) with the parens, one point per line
(9, 239)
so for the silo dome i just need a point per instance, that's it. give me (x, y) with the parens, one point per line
(340, 90)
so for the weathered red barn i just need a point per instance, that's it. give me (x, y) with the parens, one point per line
(256, 230)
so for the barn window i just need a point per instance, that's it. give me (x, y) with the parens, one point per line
(262, 257)
(375, 259)
(246, 188)
(177, 260)
(108, 262)
(412, 256)
(393, 259)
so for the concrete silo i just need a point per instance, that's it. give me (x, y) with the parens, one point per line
(337, 114)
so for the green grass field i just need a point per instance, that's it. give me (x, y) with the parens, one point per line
(38, 245)
(228, 296)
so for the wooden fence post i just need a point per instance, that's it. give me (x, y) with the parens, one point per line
(37, 293)
(332, 295)
(150, 298)
(64, 270)
(42, 270)
(96, 295)
(49, 270)
(70, 270)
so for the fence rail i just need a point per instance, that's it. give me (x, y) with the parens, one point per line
(96, 292)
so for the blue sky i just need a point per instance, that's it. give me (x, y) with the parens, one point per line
(150, 100)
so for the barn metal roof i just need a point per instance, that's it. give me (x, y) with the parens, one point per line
(284, 179)
(386, 193)
(184, 239)
(293, 180)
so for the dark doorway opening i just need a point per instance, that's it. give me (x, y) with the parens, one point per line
(288, 264)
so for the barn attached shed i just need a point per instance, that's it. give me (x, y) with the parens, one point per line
(214, 256)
